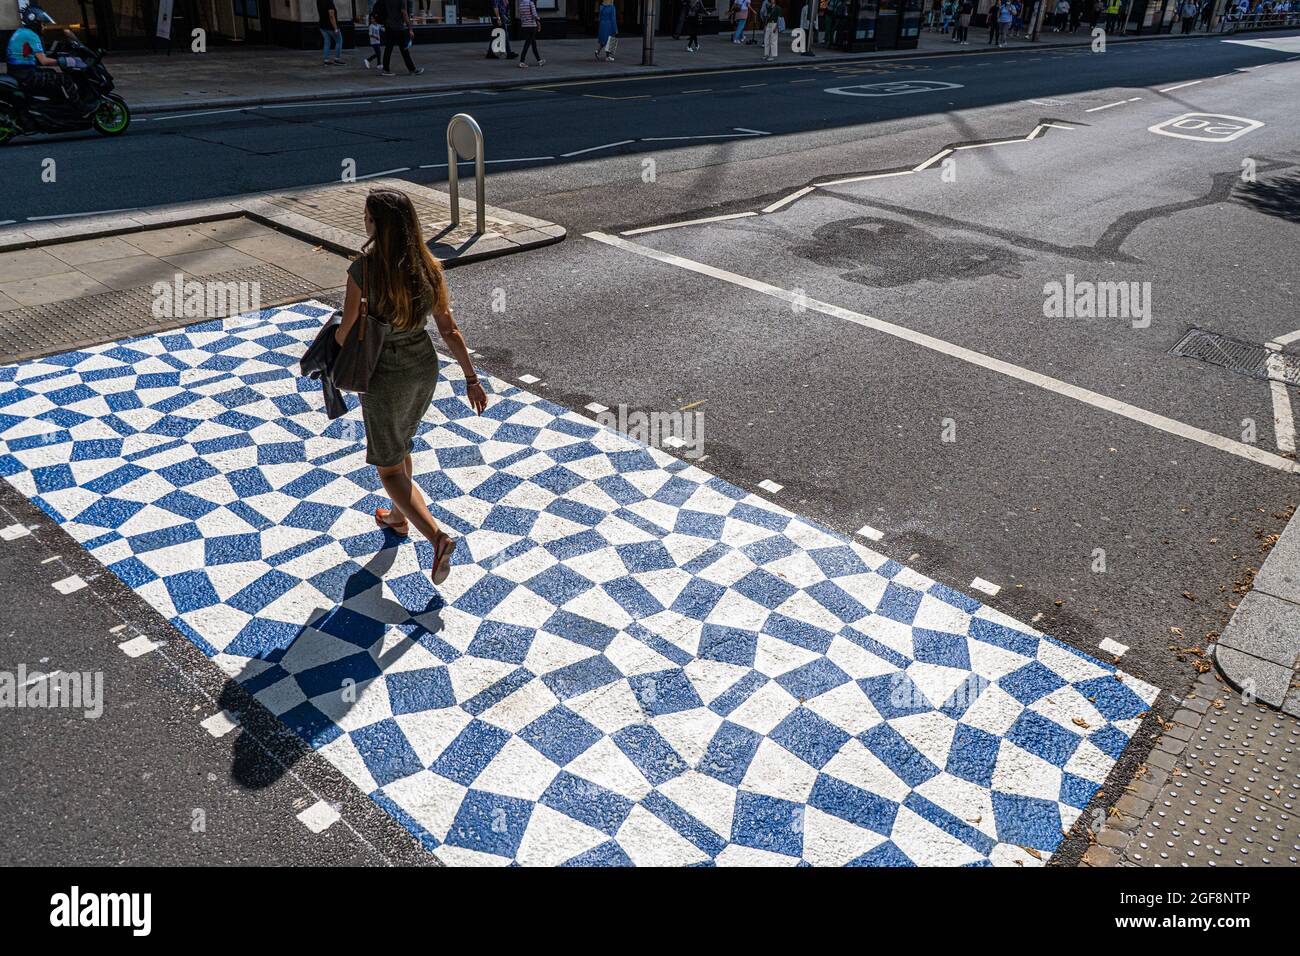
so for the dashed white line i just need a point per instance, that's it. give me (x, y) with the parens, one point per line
(319, 817)
(988, 587)
(138, 646)
(870, 533)
(529, 379)
(75, 215)
(386, 172)
(69, 585)
(220, 723)
(1116, 103)
(175, 116)
(592, 149)
(596, 408)
(13, 532)
(1114, 648)
(1170, 89)
(756, 132)
(770, 486)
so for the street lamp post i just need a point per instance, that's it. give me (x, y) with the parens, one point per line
(648, 36)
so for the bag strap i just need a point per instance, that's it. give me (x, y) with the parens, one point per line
(364, 313)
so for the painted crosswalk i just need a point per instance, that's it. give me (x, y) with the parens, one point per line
(633, 660)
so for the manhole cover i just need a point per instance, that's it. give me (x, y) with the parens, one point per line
(1235, 355)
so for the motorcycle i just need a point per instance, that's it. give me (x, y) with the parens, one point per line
(95, 106)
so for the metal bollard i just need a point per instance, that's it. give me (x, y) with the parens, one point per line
(464, 136)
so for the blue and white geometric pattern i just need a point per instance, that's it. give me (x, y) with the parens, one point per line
(632, 661)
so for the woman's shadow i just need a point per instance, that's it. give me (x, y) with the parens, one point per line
(268, 746)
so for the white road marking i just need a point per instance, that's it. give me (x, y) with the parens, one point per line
(780, 203)
(666, 139)
(756, 132)
(174, 116)
(689, 222)
(312, 106)
(529, 379)
(592, 149)
(69, 585)
(1282, 341)
(488, 162)
(1058, 126)
(40, 677)
(7, 222)
(117, 628)
(319, 817)
(932, 160)
(386, 172)
(1009, 369)
(138, 646)
(13, 532)
(1170, 89)
(1114, 648)
(988, 587)
(1283, 420)
(75, 215)
(1206, 127)
(1107, 106)
(220, 723)
(870, 533)
(862, 179)
(770, 486)
(597, 408)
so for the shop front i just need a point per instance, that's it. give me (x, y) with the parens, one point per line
(864, 25)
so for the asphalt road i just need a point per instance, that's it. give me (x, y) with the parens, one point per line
(850, 420)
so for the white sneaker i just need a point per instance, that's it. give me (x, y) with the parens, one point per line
(523, 65)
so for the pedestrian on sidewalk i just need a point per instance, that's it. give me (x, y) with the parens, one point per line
(398, 34)
(994, 10)
(739, 10)
(376, 32)
(399, 282)
(607, 34)
(694, 13)
(330, 32)
(501, 18)
(1189, 11)
(531, 23)
(770, 13)
(1006, 16)
(962, 33)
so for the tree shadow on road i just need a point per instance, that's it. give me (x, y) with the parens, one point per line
(1278, 197)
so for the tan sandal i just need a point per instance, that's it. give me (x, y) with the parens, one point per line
(401, 530)
(443, 549)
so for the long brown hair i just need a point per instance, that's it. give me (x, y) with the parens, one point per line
(407, 280)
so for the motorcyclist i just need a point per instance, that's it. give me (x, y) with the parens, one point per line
(28, 63)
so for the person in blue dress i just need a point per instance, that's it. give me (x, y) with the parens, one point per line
(608, 28)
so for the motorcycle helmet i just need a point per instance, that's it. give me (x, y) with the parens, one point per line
(33, 17)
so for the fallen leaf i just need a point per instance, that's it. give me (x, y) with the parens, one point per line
(1080, 722)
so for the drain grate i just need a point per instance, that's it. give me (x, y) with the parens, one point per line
(37, 330)
(1235, 355)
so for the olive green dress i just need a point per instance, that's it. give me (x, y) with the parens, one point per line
(401, 388)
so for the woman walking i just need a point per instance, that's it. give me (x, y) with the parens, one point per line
(608, 30)
(531, 24)
(397, 280)
(694, 13)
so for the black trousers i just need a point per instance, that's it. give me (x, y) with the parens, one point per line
(391, 43)
(530, 41)
(693, 31)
